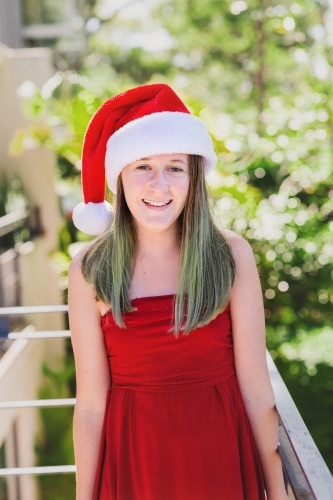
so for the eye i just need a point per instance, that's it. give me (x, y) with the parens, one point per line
(176, 169)
(142, 167)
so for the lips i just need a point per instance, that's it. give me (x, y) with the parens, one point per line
(156, 204)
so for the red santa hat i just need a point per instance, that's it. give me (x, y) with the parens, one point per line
(144, 121)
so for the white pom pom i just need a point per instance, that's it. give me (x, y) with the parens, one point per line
(93, 218)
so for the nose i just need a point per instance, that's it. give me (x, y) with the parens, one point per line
(159, 181)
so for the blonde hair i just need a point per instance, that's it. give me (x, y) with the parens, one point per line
(207, 267)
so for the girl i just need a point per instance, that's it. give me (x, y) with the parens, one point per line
(174, 400)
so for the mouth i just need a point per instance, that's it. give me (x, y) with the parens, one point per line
(156, 204)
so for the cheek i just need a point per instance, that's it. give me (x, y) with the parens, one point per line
(183, 189)
(131, 187)
(135, 184)
(131, 201)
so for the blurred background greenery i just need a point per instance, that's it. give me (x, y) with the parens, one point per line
(260, 75)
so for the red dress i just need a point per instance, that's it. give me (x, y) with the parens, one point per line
(175, 425)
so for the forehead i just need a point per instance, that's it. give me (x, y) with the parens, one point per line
(175, 158)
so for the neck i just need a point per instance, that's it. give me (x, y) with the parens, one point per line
(157, 246)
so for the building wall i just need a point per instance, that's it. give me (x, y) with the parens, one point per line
(35, 168)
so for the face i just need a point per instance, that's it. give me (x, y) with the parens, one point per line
(156, 189)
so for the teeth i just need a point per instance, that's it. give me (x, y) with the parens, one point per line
(157, 203)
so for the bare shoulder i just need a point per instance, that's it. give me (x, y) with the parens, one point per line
(75, 275)
(79, 286)
(240, 247)
(246, 295)
(76, 263)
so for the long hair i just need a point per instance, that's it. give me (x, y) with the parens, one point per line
(207, 267)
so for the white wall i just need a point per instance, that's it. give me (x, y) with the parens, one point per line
(35, 168)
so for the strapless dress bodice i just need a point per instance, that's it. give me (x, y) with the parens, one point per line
(145, 356)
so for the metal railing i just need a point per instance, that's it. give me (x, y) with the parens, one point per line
(15, 227)
(7, 312)
(306, 473)
(9, 222)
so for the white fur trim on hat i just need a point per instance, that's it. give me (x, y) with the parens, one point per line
(93, 218)
(159, 133)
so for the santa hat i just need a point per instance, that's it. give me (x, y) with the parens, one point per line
(144, 121)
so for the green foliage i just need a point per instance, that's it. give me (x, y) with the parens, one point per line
(12, 198)
(54, 445)
(306, 365)
(64, 105)
(310, 348)
(43, 11)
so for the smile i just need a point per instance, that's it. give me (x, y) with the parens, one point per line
(156, 203)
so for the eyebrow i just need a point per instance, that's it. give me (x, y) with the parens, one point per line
(171, 161)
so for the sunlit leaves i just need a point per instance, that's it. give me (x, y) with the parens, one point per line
(311, 348)
(31, 138)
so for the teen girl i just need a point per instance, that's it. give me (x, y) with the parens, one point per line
(174, 400)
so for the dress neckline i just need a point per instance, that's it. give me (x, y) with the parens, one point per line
(156, 297)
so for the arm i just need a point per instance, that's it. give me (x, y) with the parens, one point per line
(248, 328)
(92, 378)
